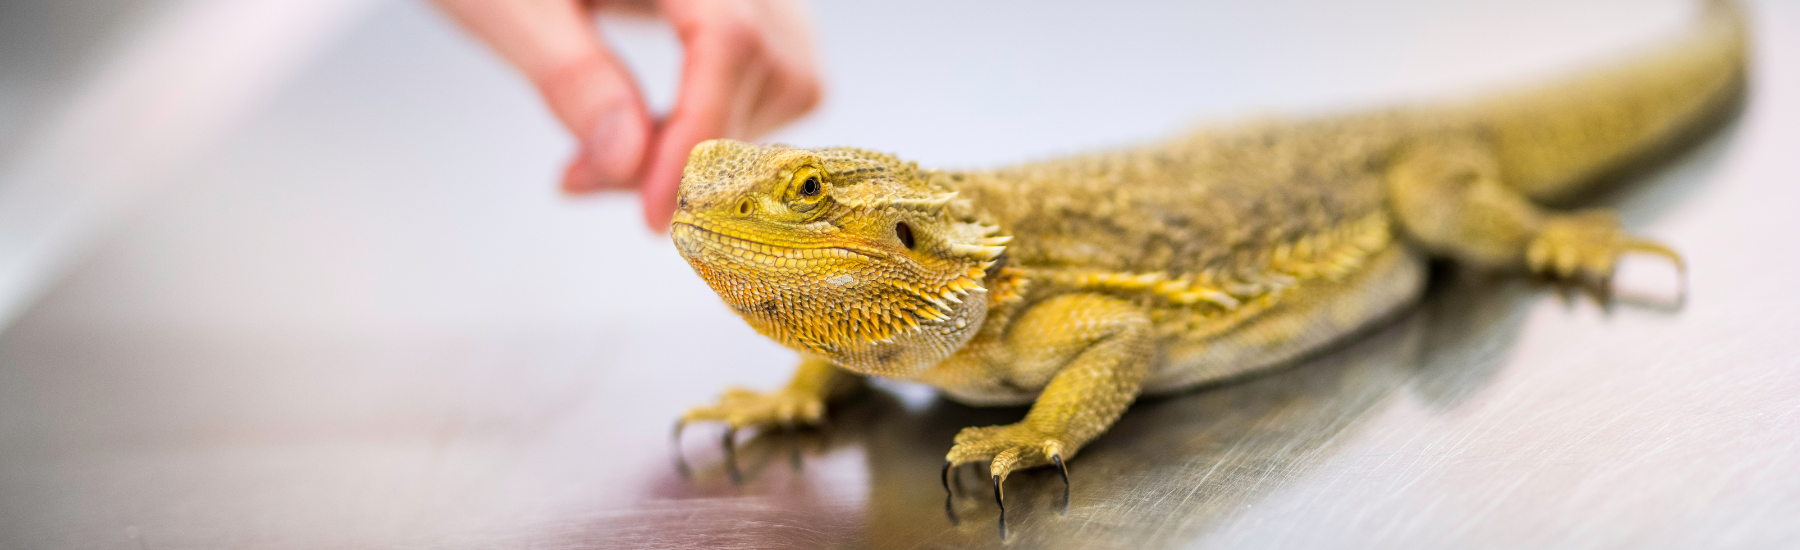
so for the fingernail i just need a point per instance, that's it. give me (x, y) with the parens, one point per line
(615, 149)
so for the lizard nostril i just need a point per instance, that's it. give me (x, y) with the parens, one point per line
(904, 232)
(744, 207)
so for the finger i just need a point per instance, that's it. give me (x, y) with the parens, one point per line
(794, 86)
(554, 42)
(598, 100)
(719, 55)
(748, 67)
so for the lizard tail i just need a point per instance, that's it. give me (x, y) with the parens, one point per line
(1556, 142)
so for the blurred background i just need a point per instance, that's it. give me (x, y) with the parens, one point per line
(295, 274)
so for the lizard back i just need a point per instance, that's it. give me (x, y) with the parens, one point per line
(1249, 246)
(1190, 204)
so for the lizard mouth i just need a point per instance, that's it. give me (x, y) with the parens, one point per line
(695, 240)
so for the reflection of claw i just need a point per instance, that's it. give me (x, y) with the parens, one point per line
(949, 496)
(731, 467)
(1064, 469)
(1000, 499)
(950, 512)
(681, 465)
(793, 437)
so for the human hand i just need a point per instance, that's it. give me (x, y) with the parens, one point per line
(748, 67)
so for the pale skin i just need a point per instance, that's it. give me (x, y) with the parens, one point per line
(749, 67)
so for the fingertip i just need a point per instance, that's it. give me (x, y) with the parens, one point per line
(658, 213)
(658, 196)
(578, 178)
(616, 149)
(662, 181)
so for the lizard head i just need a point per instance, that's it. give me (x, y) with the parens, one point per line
(850, 255)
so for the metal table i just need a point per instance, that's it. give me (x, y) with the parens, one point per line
(365, 320)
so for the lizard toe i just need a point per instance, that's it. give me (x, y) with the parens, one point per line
(1584, 249)
(1007, 449)
(740, 409)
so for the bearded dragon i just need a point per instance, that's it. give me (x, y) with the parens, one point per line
(1077, 284)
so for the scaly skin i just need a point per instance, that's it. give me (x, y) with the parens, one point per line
(1078, 284)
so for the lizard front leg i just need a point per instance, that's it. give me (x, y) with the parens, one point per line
(1096, 350)
(800, 403)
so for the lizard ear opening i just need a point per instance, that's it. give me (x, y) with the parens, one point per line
(904, 232)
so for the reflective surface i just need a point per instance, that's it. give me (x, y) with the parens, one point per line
(367, 323)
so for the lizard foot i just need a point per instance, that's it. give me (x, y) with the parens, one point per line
(740, 408)
(1585, 247)
(1009, 448)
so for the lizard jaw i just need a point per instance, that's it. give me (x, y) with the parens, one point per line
(832, 301)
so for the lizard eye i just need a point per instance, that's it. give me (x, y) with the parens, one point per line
(807, 191)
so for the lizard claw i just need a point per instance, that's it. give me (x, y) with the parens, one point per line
(946, 476)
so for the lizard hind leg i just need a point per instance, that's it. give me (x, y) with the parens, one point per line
(1450, 197)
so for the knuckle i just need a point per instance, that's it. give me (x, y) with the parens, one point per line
(739, 35)
(805, 90)
(577, 87)
(733, 26)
